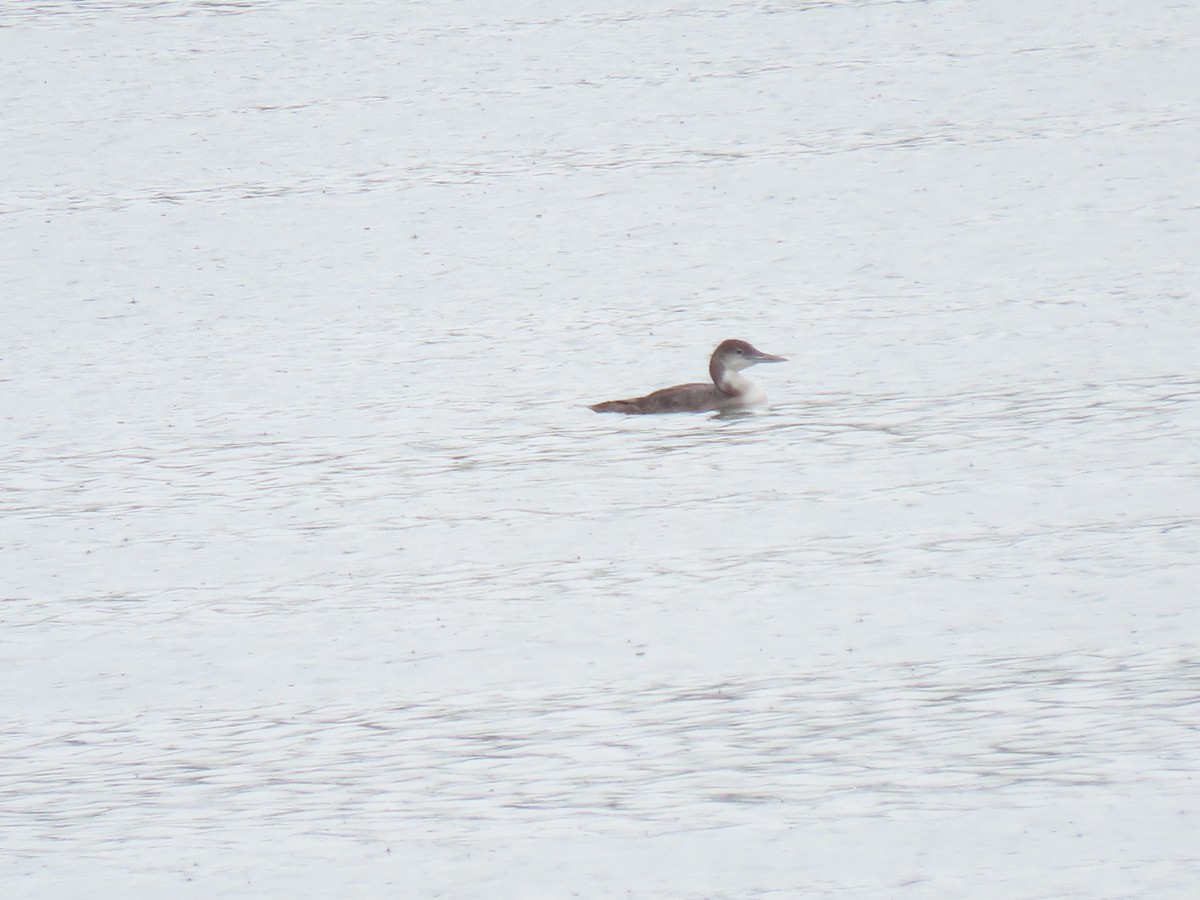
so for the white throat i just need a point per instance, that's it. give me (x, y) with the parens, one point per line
(744, 391)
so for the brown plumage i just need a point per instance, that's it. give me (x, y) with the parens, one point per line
(729, 389)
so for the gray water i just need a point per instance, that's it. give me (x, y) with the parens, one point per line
(319, 578)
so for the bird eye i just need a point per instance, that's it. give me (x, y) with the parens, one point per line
(739, 351)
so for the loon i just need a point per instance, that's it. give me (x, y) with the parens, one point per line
(729, 389)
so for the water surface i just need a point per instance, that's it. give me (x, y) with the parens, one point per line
(317, 571)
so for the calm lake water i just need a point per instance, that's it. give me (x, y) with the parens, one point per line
(318, 576)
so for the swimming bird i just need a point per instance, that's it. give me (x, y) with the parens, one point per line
(729, 389)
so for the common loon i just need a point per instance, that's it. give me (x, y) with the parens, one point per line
(729, 389)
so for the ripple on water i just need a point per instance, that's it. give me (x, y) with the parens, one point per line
(878, 742)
